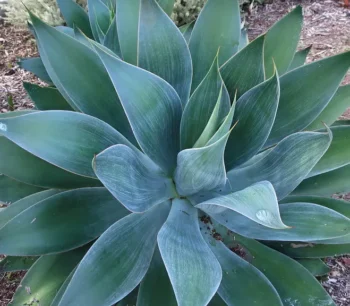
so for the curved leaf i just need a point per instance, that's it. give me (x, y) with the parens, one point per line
(246, 69)
(17, 113)
(242, 283)
(118, 269)
(45, 278)
(35, 66)
(257, 202)
(155, 288)
(282, 41)
(308, 222)
(134, 182)
(299, 58)
(193, 270)
(99, 16)
(68, 140)
(12, 190)
(244, 39)
(217, 26)
(19, 206)
(111, 40)
(201, 106)
(163, 50)
(20, 165)
(62, 290)
(152, 107)
(46, 98)
(75, 15)
(167, 5)
(186, 30)
(314, 84)
(338, 154)
(255, 114)
(11, 264)
(315, 266)
(201, 168)
(294, 157)
(335, 108)
(326, 184)
(292, 281)
(81, 78)
(61, 222)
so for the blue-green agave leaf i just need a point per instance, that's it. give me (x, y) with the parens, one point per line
(315, 266)
(186, 30)
(299, 58)
(194, 272)
(100, 17)
(119, 259)
(12, 264)
(35, 65)
(244, 39)
(111, 40)
(167, 5)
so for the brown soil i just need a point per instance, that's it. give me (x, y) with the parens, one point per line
(326, 28)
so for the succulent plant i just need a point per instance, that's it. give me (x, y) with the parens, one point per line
(166, 166)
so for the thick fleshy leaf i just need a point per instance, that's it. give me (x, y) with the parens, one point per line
(68, 140)
(152, 107)
(99, 16)
(338, 154)
(314, 84)
(17, 113)
(11, 264)
(35, 66)
(186, 30)
(294, 157)
(12, 190)
(81, 78)
(46, 98)
(315, 266)
(127, 14)
(61, 222)
(155, 288)
(341, 122)
(19, 206)
(244, 39)
(75, 15)
(163, 50)
(335, 108)
(111, 40)
(45, 278)
(66, 30)
(135, 182)
(326, 184)
(308, 222)
(167, 5)
(282, 41)
(217, 26)
(311, 250)
(118, 269)
(22, 166)
(242, 283)
(299, 58)
(201, 105)
(292, 281)
(246, 69)
(194, 271)
(201, 168)
(257, 202)
(255, 114)
(58, 296)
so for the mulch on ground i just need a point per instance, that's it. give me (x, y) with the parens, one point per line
(326, 28)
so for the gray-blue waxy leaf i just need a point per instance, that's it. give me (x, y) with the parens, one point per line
(167, 6)
(315, 84)
(255, 114)
(163, 50)
(194, 272)
(40, 229)
(294, 156)
(246, 69)
(118, 269)
(81, 78)
(152, 107)
(217, 26)
(111, 40)
(242, 283)
(244, 39)
(12, 190)
(315, 266)
(134, 181)
(15, 263)
(201, 168)
(186, 30)
(257, 202)
(35, 65)
(299, 58)
(307, 221)
(99, 16)
(19, 206)
(201, 106)
(68, 140)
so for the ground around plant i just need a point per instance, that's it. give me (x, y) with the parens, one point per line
(326, 28)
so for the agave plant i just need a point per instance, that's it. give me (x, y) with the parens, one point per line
(167, 166)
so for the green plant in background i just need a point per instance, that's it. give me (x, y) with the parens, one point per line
(174, 167)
